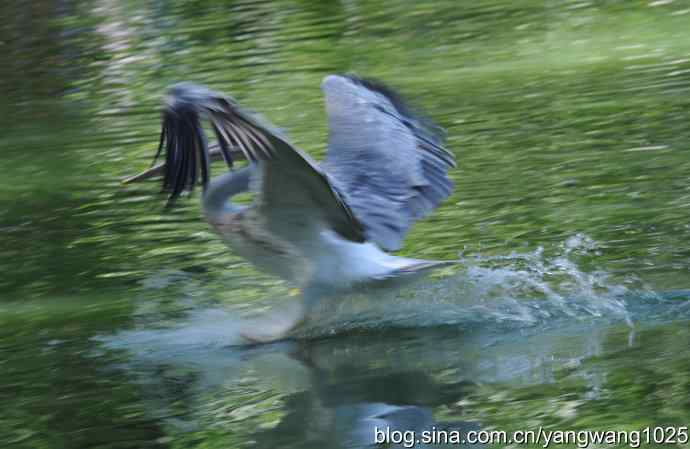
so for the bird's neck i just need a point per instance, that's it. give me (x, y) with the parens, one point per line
(216, 198)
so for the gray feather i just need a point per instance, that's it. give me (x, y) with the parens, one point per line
(389, 164)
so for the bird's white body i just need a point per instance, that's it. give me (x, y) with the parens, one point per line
(321, 258)
(349, 263)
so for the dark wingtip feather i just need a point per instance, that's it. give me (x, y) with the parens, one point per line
(182, 140)
(375, 85)
(186, 151)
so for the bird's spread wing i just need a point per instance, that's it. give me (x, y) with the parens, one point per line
(292, 190)
(390, 165)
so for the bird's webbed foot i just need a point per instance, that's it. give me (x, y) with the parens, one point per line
(275, 325)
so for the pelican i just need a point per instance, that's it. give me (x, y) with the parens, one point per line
(324, 227)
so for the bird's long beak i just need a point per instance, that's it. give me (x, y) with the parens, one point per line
(158, 170)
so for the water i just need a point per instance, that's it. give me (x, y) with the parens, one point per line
(570, 309)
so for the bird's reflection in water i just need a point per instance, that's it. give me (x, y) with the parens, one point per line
(334, 392)
(354, 405)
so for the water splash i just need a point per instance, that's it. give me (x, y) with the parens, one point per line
(518, 290)
(521, 290)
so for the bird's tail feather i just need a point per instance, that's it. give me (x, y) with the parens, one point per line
(415, 267)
